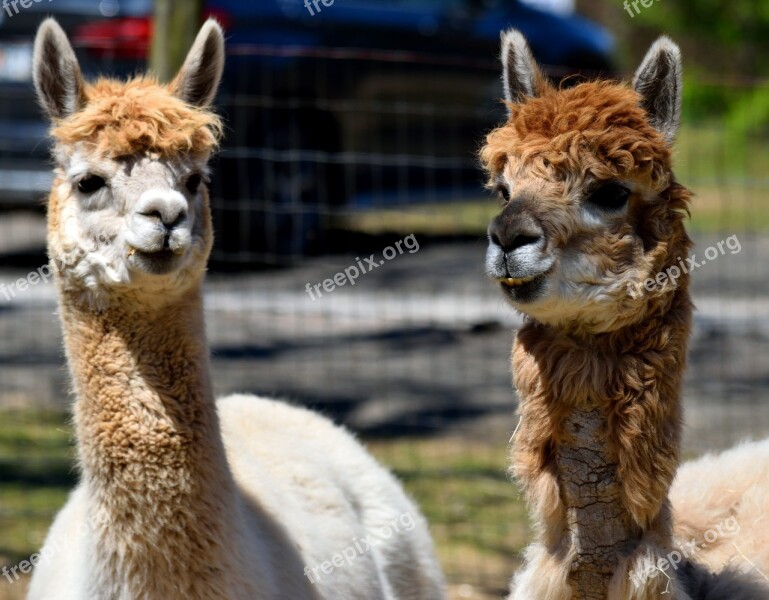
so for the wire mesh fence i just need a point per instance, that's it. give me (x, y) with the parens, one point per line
(337, 160)
(318, 134)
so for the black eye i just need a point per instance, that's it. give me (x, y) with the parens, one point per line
(193, 183)
(611, 196)
(503, 192)
(91, 184)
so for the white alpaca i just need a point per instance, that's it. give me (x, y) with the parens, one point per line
(721, 502)
(182, 498)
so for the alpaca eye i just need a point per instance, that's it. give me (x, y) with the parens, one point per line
(193, 183)
(91, 184)
(612, 196)
(503, 192)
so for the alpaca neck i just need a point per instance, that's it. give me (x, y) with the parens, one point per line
(598, 443)
(599, 527)
(148, 435)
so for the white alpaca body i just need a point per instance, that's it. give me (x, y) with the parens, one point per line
(721, 503)
(323, 488)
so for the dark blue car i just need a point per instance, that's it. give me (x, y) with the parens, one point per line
(331, 105)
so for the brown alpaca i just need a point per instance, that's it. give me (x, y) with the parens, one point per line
(591, 211)
(182, 497)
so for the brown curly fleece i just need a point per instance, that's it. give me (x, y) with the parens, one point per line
(599, 127)
(630, 375)
(127, 118)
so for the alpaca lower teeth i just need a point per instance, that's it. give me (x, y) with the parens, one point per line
(510, 282)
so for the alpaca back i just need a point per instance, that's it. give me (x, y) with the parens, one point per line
(358, 534)
(721, 502)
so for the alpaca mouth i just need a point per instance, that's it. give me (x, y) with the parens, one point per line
(160, 262)
(524, 289)
(512, 282)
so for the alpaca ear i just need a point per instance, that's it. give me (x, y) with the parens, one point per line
(200, 75)
(660, 84)
(58, 80)
(521, 76)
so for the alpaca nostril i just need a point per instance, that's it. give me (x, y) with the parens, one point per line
(180, 219)
(513, 231)
(170, 221)
(152, 214)
(166, 208)
(512, 242)
(520, 241)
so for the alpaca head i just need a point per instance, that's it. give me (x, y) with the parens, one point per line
(591, 210)
(129, 206)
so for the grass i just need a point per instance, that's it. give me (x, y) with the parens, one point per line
(476, 517)
(729, 175)
(35, 477)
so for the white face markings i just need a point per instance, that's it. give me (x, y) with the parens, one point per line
(129, 217)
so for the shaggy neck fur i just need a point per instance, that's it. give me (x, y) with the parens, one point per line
(598, 443)
(149, 445)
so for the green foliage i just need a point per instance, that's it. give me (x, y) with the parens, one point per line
(722, 26)
(703, 101)
(749, 114)
(742, 111)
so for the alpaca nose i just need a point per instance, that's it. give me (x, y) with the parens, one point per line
(511, 232)
(167, 207)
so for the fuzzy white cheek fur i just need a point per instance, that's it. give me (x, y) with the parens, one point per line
(579, 292)
(530, 259)
(91, 252)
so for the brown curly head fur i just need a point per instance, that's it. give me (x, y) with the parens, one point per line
(139, 116)
(597, 127)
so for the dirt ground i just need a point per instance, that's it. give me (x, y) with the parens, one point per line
(420, 344)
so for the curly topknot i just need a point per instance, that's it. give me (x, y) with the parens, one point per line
(141, 115)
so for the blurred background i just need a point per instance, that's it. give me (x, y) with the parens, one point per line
(351, 127)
